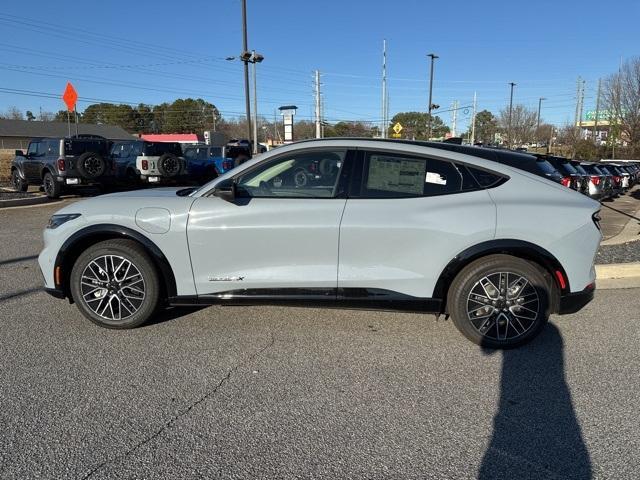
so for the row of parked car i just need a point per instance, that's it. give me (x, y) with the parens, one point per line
(601, 181)
(59, 164)
(598, 180)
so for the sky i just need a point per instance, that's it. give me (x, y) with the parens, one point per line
(152, 52)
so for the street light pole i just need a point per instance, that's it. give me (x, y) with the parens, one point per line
(538, 122)
(245, 60)
(510, 111)
(433, 57)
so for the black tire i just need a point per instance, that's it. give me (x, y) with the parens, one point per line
(91, 165)
(509, 319)
(169, 165)
(52, 188)
(89, 266)
(17, 182)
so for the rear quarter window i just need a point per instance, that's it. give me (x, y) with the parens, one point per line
(389, 175)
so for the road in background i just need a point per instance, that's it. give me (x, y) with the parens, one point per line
(266, 392)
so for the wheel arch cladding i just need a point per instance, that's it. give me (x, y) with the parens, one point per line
(517, 248)
(77, 243)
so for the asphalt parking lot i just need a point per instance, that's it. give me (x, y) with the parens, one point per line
(269, 392)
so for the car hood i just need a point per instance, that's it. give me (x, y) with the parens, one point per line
(147, 193)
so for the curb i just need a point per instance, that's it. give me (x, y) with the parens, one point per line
(618, 275)
(21, 202)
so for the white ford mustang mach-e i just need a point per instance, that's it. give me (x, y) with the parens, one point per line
(351, 223)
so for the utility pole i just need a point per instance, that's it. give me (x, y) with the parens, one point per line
(595, 120)
(473, 119)
(318, 118)
(255, 104)
(454, 115)
(384, 126)
(433, 58)
(577, 116)
(581, 105)
(245, 59)
(538, 122)
(510, 112)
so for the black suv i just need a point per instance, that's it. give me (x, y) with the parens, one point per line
(59, 163)
(572, 178)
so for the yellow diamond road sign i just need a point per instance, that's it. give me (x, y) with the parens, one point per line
(397, 127)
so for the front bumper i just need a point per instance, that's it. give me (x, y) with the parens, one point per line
(573, 302)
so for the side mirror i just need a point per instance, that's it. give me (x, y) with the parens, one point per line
(19, 153)
(226, 190)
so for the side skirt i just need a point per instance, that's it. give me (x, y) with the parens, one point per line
(349, 298)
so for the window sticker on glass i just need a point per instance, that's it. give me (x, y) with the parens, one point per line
(396, 174)
(434, 177)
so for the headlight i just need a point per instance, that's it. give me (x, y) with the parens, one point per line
(56, 220)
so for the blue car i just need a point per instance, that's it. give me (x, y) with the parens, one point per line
(205, 162)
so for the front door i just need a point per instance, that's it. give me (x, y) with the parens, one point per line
(32, 162)
(280, 235)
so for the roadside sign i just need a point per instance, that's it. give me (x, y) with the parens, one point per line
(396, 135)
(70, 97)
(397, 128)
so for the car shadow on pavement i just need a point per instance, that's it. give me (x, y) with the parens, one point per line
(172, 313)
(536, 433)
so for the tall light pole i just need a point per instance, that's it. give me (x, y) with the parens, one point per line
(245, 58)
(255, 59)
(510, 111)
(538, 122)
(433, 57)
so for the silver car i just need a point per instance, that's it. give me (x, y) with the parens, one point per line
(370, 224)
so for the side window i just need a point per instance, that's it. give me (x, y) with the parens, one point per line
(190, 153)
(136, 149)
(389, 175)
(304, 174)
(485, 178)
(33, 149)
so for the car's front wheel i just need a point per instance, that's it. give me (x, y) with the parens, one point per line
(499, 301)
(18, 183)
(115, 284)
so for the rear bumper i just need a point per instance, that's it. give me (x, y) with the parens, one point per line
(573, 302)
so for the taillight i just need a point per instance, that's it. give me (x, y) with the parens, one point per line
(566, 181)
(595, 180)
(145, 164)
(616, 179)
(61, 165)
(227, 164)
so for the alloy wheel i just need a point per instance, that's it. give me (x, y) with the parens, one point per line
(503, 306)
(112, 287)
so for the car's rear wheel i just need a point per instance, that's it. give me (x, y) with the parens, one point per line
(115, 284)
(52, 188)
(500, 301)
(17, 182)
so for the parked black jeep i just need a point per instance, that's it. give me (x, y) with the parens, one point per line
(60, 163)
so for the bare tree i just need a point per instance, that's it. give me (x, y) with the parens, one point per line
(46, 116)
(621, 97)
(12, 113)
(523, 123)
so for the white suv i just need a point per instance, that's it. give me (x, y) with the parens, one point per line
(354, 223)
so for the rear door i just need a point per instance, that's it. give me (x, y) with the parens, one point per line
(406, 217)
